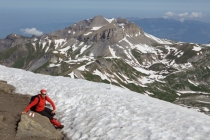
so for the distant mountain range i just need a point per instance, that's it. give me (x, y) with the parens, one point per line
(187, 31)
(118, 52)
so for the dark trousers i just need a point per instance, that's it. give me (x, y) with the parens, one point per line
(47, 112)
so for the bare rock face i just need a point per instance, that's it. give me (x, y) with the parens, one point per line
(2, 124)
(4, 87)
(12, 40)
(37, 127)
(99, 21)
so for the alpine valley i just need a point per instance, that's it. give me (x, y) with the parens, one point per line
(117, 52)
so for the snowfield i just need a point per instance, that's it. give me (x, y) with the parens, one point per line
(97, 111)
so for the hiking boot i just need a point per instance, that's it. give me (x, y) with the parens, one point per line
(62, 126)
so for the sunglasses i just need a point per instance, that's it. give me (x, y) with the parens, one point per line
(43, 94)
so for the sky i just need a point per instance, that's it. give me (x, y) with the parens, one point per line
(23, 15)
(91, 110)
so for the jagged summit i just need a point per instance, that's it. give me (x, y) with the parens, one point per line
(13, 36)
(96, 29)
(98, 21)
(100, 28)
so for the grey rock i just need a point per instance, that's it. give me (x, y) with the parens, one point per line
(38, 63)
(2, 124)
(195, 58)
(4, 87)
(1, 118)
(99, 21)
(38, 127)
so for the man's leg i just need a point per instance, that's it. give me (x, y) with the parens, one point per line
(47, 112)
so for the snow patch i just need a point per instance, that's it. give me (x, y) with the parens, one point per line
(96, 28)
(160, 41)
(71, 74)
(205, 109)
(103, 76)
(91, 110)
(110, 20)
(55, 52)
(84, 48)
(54, 65)
(74, 47)
(35, 39)
(82, 68)
(195, 84)
(87, 33)
(59, 42)
(64, 50)
(196, 48)
(113, 53)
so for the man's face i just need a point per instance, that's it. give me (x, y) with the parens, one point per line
(43, 94)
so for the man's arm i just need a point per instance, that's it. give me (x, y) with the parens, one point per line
(52, 103)
(34, 102)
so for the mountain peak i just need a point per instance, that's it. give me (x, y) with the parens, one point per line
(98, 21)
(13, 36)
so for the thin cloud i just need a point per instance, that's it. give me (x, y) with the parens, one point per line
(182, 16)
(170, 14)
(196, 15)
(181, 19)
(32, 31)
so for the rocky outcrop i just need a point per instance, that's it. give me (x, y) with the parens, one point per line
(39, 63)
(98, 21)
(2, 124)
(4, 87)
(37, 127)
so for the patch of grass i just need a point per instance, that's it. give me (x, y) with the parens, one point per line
(157, 67)
(162, 91)
(166, 95)
(91, 77)
(105, 81)
(188, 53)
(74, 54)
(120, 66)
(194, 88)
(133, 87)
(19, 63)
(7, 53)
(137, 55)
(31, 55)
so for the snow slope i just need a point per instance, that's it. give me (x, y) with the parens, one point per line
(100, 111)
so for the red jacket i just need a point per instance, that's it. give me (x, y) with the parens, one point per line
(42, 101)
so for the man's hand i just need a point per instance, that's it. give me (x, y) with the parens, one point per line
(53, 112)
(23, 112)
